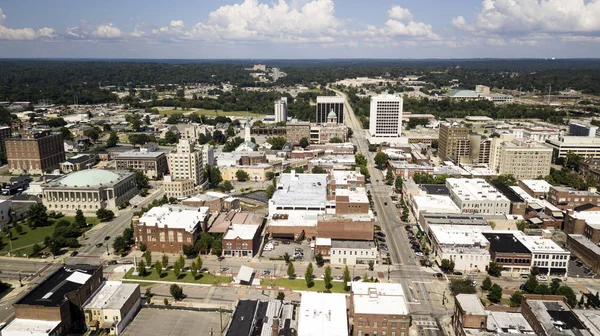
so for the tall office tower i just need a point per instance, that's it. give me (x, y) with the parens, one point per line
(34, 151)
(185, 163)
(386, 116)
(326, 104)
(580, 129)
(281, 109)
(455, 144)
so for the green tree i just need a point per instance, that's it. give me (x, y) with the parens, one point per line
(270, 190)
(365, 171)
(360, 159)
(389, 177)
(199, 263)
(286, 257)
(308, 275)
(554, 286)
(165, 261)
(304, 142)
(213, 175)
(170, 137)
(204, 242)
(241, 175)
(37, 216)
(328, 278)
(291, 272)
(448, 265)
(36, 249)
(158, 268)
(319, 260)
(277, 143)
(531, 284)
(67, 135)
(142, 268)
(495, 294)
(194, 269)
(543, 289)
(336, 140)
(113, 139)
(226, 186)
(119, 245)
(486, 284)
(176, 291)
(135, 121)
(177, 270)
(398, 184)
(148, 257)
(318, 170)
(462, 286)
(535, 271)
(143, 247)
(516, 299)
(381, 159)
(346, 278)
(494, 269)
(280, 296)
(105, 215)
(569, 294)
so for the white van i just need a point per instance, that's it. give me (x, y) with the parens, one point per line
(268, 247)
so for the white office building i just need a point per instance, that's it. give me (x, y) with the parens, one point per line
(546, 255)
(589, 147)
(185, 163)
(353, 252)
(463, 244)
(477, 196)
(305, 193)
(386, 116)
(281, 109)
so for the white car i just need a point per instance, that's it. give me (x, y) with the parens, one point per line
(542, 278)
(268, 247)
(419, 254)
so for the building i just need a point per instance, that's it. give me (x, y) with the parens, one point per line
(468, 313)
(433, 204)
(465, 95)
(256, 173)
(224, 220)
(112, 307)
(326, 104)
(346, 227)
(477, 196)
(281, 109)
(5, 133)
(191, 131)
(352, 252)
(208, 155)
(323, 314)
(179, 188)
(463, 244)
(547, 256)
(265, 318)
(454, 143)
(567, 198)
(550, 315)
(185, 162)
(89, 190)
(426, 220)
(168, 228)
(215, 201)
(509, 252)
(296, 131)
(586, 250)
(153, 164)
(242, 240)
(34, 152)
(54, 307)
(378, 309)
(583, 130)
(535, 188)
(321, 134)
(522, 159)
(386, 116)
(78, 162)
(300, 193)
(588, 147)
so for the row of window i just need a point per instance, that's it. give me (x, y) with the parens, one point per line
(366, 253)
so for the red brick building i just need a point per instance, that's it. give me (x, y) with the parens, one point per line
(34, 152)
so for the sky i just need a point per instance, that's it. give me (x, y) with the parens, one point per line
(299, 29)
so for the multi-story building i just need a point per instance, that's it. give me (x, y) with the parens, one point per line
(296, 131)
(169, 228)
(300, 193)
(567, 198)
(185, 163)
(454, 143)
(281, 109)
(179, 188)
(191, 131)
(468, 313)
(426, 220)
(112, 307)
(5, 133)
(509, 252)
(353, 252)
(326, 104)
(535, 188)
(378, 309)
(153, 164)
(588, 147)
(89, 190)
(208, 155)
(522, 159)
(463, 244)
(78, 162)
(54, 306)
(477, 196)
(386, 116)
(550, 315)
(580, 129)
(34, 152)
(323, 314)
(215, 201)
(241, 240)
(324, 133)
(586, 250)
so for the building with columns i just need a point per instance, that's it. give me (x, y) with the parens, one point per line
(89, 190)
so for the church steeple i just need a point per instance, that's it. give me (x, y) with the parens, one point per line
(247, 136)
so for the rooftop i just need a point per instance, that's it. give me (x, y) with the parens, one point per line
(458, 219)
(435, 189)
(90, 178)
(552, 314)
(322, 314)
(505, 243)
(342, 177)
(255, 317)
(463, 94)
(175, 217)
(512, 323)
(539, 244)
(537, 186)
(464, 235)
(471, 304)
(590, 319)
(30, 327)
(352, 244)
(355, 196)
(330, 99)
(139, 155)
(301, 189)
(586, 243)
(294, 219)
(510, 193)
(243, 231)
(435, 204)
(112, 295)
(474, 190)
(379, 298)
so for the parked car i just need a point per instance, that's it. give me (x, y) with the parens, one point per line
(275, 243)
(286, 242)
(356, 278)
(74, 253)
(381, 239)
(339, 277)
(419, 254)
(298, 257)
(380, 234)
(112, 262)
(407, 227)
(384, 203)
(457, 273)
(266, 272)
(299, 250)
(107, 238)
(268, 247)
(99, 245)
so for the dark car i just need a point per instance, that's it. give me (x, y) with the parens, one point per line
(356, 278)
(286, 242)
(438, 275)
(112, 262)
(380, 234)
(99, 245)
(381, 239)
(74, 253)
(384, 203)
(382, 246)
(107, 238)
(408, 227)
(457, 273)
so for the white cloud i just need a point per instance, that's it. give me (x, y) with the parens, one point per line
(103, 31)
(106, 31)
(522, 17)
(400, 14)
(22, 33)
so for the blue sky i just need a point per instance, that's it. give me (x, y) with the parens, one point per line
(300, 28)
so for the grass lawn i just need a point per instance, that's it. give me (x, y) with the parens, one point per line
(22, 243)
(300, 284)
(211, 113)
(204, 278)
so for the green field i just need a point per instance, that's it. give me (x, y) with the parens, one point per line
(22, 243)
(300, 284)
(204, 278)
(212, 113)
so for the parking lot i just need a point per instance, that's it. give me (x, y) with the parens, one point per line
(577, 271)
(151, 321)
(281, 249)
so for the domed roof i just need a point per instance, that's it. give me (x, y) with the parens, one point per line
(332, 115)
(90, 177)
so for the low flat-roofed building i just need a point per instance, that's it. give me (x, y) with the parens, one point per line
(535, 188)
(25, 327)
(223, 220)
(349, 201)
(550, 315)
(322, 314)
(112, 306)
(241, 240)
(215, 201)
(153, 164)
(509, 252)
(378, 309)
(351, 252)
(433, 204)
(510, 323)
(329, 163)
(346, 227)
(469, 313)
(589, 147)
(344, 179)
(407, 170)
(256, 173)
(300, 192)
(463, 244)
(78, 162)
(477, 196)
(590, 320)
(264, 318)
(567, 198)
(294, 225)
(169, 227)
(518, 206)
(179, 188)
(585, 250)
(428, 219)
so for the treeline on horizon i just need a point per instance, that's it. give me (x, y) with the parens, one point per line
(64, 81)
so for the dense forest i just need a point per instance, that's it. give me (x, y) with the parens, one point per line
(63, 81)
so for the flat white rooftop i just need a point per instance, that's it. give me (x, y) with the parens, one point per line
(244, 231)
(301, 189)
(23, 327)
(471, 304)
(294, 218)
(379, 298)
(342, 177)
(355, 196)
(465, 235)
(112, 295)
(175, 217)
(330, 99)
(322, 314)
(474, 190)
(539, 244)
(435, 204)
(537, 186)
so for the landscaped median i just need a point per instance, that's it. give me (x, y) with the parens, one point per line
(169, 276)
(300, 284)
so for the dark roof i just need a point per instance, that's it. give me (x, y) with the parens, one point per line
(20, 179)
(435, 189)
(25, 198)
(509, 193)
(52, 291)
(243, 318)
(80, 158)
(557, 313)
(505, 243)
(584, 207)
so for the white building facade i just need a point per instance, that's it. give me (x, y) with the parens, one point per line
(386, 116)
(477, 196)
(345, 252)
(281, 109)
(185, 163)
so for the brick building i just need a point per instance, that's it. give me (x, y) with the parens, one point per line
(5, 133)
(378, 309)
(34, 152)
(296, 131)
(567, 198)
(241, 240)
(215, 201)
(509, 252)
(153, 164)
(168, 228)
(468, 313)
(179, 188)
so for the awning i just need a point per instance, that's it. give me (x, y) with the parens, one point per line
(535, 206)
(557, 214)
(535, 220)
